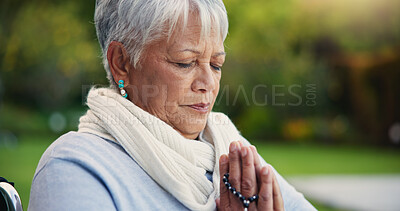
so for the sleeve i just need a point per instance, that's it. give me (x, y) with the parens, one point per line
(292, 199)
(52, 188)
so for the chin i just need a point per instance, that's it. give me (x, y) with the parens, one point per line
(192, 129)
(189, 123)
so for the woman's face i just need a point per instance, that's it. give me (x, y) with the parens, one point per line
(178, 79)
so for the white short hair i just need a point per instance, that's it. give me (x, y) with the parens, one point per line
(137, 23)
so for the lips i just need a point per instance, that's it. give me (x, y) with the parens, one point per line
(200, 107)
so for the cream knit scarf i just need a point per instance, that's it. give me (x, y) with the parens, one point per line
(177, 164)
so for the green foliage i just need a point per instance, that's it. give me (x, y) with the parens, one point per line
(259, 122)
(21, 120)
(49, 55)
(291, 42)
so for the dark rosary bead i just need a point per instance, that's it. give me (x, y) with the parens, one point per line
(237, 193)
(246, 203)
(253, 198)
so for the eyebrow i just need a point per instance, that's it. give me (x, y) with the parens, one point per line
(198, 52)
(222, 53)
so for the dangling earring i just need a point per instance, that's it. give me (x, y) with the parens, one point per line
(121, 88)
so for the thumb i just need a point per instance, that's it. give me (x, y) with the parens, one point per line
(217, 201)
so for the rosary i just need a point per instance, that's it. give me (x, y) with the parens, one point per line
(246, 202)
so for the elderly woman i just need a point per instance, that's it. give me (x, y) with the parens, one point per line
(150, 141)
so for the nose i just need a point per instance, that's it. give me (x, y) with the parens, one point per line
(204, 80)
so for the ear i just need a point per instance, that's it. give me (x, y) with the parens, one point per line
(118, 61)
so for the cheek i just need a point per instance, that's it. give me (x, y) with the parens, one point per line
(179, 87)
(175, 92)
(217, 87)
(179, 95)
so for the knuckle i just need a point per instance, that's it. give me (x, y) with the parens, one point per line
(246, 190)
(265, 179)
(234, 181)
(265, 196)
(226, 207)
(277, 194)
(269, 180)
(247, 163)
(233, 156)
(223, 190)
(247, 185)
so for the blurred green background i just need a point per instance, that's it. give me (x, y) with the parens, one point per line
(314, 84)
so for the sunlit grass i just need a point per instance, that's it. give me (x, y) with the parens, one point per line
(294, 159)
(18, 164)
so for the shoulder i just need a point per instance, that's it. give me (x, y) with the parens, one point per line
(80, 148)
(82, 170)
(70, 174)
(77, 142)
(91, 154)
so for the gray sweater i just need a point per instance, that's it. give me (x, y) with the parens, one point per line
(81, 171)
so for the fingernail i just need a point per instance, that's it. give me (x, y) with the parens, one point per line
(238, 146)
(232, 147)
(255, 149)
(224, 159)
(244, 151)
(264, 171)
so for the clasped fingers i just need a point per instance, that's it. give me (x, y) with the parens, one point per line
(249, 185)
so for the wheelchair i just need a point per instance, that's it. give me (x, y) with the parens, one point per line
(9, 198)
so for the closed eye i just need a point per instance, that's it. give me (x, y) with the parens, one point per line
(184, 65)
(215, 67)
